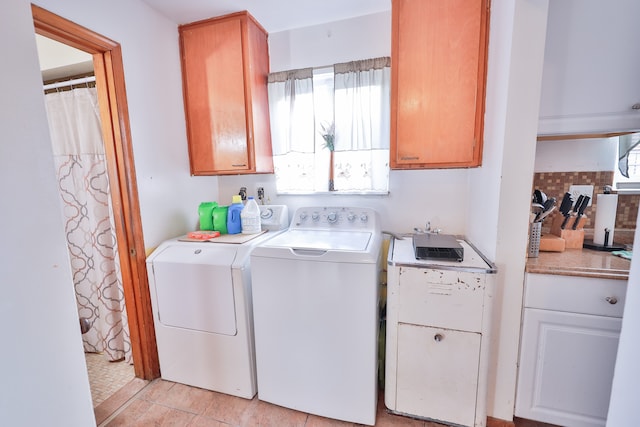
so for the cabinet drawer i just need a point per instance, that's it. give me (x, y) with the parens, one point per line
(441, 298)
(602, 297)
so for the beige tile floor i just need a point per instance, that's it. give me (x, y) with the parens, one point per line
(105, 378)
(164, 403)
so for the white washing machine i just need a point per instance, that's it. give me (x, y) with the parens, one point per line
(201, 301)
(315, 302)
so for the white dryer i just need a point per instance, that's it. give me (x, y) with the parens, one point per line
(315, 301)
(202, 308)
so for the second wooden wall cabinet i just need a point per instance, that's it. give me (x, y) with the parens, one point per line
(439, 56)
(225, 63)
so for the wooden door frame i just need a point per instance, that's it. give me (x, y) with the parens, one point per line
(109, 72)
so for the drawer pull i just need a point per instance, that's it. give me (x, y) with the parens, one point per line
(438, 337)
(612, 300)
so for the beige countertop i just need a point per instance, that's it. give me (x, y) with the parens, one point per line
(580, 262)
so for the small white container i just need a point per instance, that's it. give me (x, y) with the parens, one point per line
(250, 217)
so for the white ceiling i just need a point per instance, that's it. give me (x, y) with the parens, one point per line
(58, 61)
(273, 15)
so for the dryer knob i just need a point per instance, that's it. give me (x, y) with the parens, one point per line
(364, 218)
(266, 213)
(315, 216)
(303, 216)
(332, 217)
(351, 217)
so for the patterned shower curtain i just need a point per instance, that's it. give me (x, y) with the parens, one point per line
(78, 149)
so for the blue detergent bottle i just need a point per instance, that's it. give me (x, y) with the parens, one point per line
(234, 223)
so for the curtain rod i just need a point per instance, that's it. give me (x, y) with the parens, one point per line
(72, 82)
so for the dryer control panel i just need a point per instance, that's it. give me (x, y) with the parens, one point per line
(274, 217)
(332, 218)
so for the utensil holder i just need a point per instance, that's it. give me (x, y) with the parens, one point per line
(573, 238)
(535, 231)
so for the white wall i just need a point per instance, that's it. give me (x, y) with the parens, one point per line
(577, 155)
(415, 197)
(363, 37)
(44, 379)
(500, 190)
(623, 406)
(169, 196)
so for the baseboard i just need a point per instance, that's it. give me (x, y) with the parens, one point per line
(497, 422)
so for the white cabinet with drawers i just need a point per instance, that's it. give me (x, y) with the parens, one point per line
(570, 332)
(438, 320)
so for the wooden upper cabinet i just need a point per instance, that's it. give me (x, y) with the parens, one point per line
(439, 55)
(225, 63)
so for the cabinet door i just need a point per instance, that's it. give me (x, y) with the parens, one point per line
(214, 91)
(438, 82)
(590, 78)
(437, 373)
(566, 367)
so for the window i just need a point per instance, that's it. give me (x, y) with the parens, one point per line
(629, 161)
(330, 128)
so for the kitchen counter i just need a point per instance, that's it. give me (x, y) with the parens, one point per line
(580, 262)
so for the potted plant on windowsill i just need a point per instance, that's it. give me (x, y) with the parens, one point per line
(329, 135)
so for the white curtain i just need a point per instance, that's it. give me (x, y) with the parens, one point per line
(362, 129)
(291, 113)
(76, 135)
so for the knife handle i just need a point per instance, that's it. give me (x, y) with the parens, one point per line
(578, 203)
(565, 205)
(575, 223)
(564, 223)
(580, 209)
(575, 209)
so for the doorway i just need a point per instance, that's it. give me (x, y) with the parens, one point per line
(111, 95)
(82, 181)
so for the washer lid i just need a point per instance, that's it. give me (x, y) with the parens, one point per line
(321, 239)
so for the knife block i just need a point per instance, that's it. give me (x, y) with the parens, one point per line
(573, 238)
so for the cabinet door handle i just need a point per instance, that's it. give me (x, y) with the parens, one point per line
(612, 300)
(438, 337)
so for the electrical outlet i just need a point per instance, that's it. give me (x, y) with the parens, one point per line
(584, 190)
(243, 193)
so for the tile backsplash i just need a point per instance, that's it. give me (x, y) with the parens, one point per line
(555, 184)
